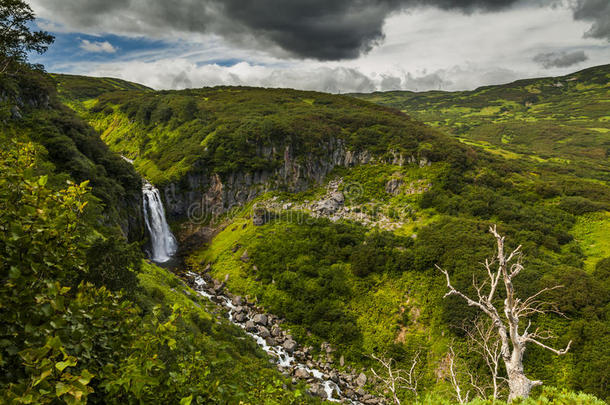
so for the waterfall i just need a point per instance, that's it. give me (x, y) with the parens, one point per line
(162, 240)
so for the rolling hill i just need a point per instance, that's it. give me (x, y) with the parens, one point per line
(560, 122)
(359, 202)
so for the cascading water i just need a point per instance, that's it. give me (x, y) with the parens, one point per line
(282, 357)
(163, 242)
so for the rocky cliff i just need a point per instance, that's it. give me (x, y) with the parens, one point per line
(202, 194)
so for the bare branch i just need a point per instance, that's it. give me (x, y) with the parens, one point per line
(453, 291)
(454, 380)
(396, 379)
(558, 352)
(509, 344)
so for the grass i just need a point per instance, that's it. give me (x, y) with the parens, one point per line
(525, 119)
(592, 231)
(238, 364)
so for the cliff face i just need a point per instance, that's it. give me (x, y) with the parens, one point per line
(202, 194)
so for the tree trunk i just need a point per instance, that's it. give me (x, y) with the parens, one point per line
(518, 384)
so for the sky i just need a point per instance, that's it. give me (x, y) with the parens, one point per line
(334, 46)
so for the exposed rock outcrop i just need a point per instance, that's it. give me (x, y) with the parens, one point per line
(201, 195)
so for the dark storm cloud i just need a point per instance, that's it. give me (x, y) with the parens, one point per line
(319, 29)
(560, 59)
(597, 12)
(332, 29)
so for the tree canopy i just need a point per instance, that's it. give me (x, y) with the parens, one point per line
(16, 38)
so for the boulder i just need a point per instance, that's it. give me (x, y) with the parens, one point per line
(393, 186)
(301, 373)
(263, 332)
(317, 391)
(290, 345)
(251, 327)
(276, 331)
(331, 204)
(240, 317)
(237, 301)
(260, 319)
(260, 216)
(361, 380)
(245, 257)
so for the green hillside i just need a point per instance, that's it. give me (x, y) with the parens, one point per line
(562, 123)
(326, 244)
(83, 88)
(167, 133)
(83, 317)
(363, 278)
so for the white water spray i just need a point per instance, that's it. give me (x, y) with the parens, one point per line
(162, 240)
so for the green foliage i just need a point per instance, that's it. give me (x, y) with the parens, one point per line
(223, 129)
(73, 149)
(114, 264)
(63, 339)
(366, 290)
(549, 396)
(560, 123)
(16, 38)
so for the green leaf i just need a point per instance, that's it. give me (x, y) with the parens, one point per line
(42, 377)
(14, 272)
(85, 377)
(61, 389)
(42, 181)
(61, 365)
(186, 400)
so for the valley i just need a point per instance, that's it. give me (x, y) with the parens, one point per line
(273, 218)
(350, 225)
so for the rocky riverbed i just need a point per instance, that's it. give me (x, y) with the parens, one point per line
(291, 359)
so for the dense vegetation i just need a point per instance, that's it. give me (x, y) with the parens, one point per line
(369, 290)
(70, 147)
(223, 129)
(82, 317)
(374, 291)
(561, 123)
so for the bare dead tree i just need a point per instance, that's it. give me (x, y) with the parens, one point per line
(513, 342)
(454, 380)
(486, 342)
(397, 379)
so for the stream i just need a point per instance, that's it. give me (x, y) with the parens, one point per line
(283, 359)
(282, 349)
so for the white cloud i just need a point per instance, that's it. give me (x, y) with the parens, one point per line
(97, 47)
(424, 49)
(182, 73)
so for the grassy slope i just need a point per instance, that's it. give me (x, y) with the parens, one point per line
(562, 122)
(240, 368)
(83, 88)
(167, 132)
